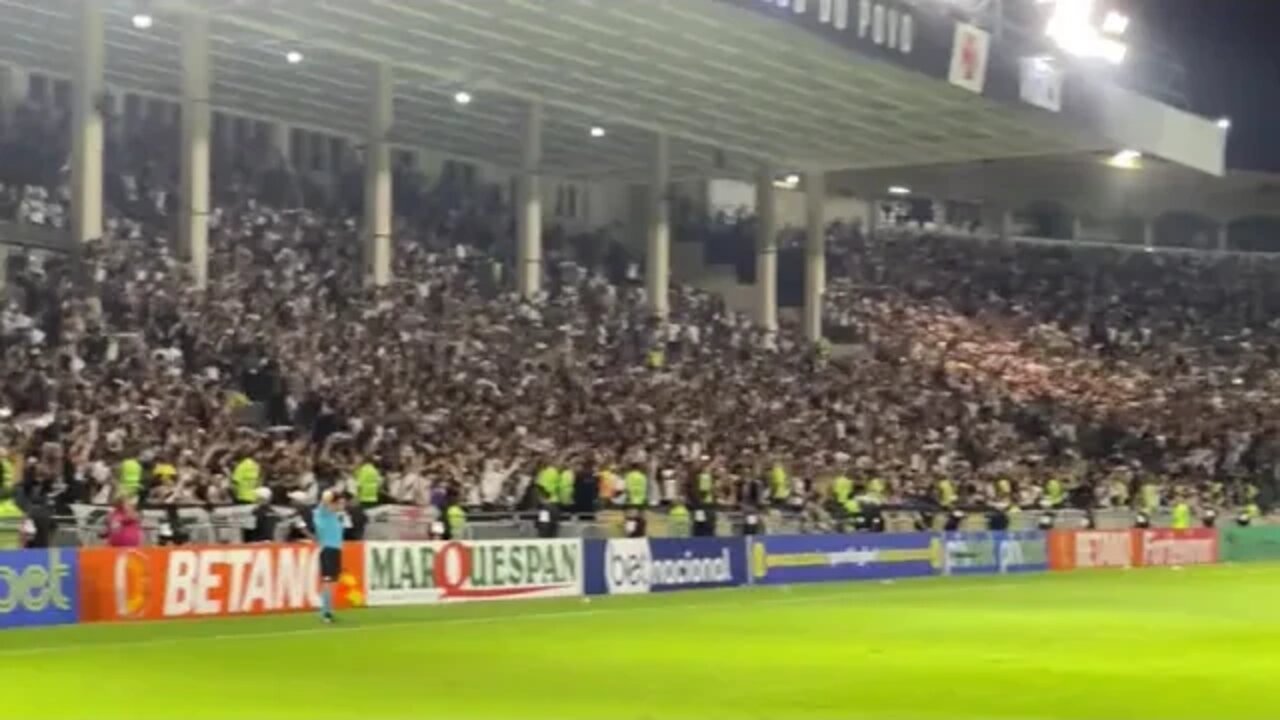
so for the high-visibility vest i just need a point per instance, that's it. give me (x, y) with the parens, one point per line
(457, 519)
(245, 478)
(549, 482)
(10, 525)
(368, 483)
(875, 491)
(8, 473)
(1182, 516)
(1150, 497)
(1054, 492)
(843, 489)
(779, 489)
(706, 489)
(637, 488)
(678, 520)
(131, 476)
(565, 487)
(946, 493)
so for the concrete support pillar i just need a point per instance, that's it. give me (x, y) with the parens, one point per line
(1148, 232)
(86, 124)
(1224, 237)
(14, 87)
(196, 120)
(815, 254)
(529, 207)
(658, 257)
(766, 251)
(280, 138)
(377, 178)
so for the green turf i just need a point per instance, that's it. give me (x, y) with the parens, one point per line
(1201, 643)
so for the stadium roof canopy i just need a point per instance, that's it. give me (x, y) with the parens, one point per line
(731, 82)
(1085, 183)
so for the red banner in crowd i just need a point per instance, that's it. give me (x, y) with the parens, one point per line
(164, 583)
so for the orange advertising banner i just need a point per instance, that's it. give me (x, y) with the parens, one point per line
(119, 584)
(1086, 549)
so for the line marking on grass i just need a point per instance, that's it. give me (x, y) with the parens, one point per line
(729, 598)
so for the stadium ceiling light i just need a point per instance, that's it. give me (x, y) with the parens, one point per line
(1071, 27)
(1224, 123)
(1126, 160)
(597, 131)
(788, 182)
(462, 97)
(143, 21)
(1115, 23)
(899, 190)
(293, 57)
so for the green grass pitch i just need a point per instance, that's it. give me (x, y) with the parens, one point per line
(1202, 643)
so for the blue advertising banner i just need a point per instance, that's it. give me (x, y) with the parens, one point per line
(39, 587)
(988, 553)
(785, 559)
(639, 565)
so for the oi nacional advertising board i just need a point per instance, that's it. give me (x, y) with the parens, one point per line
(638, 565)
(414, 573)
(786, 559)
(168, 583)
(39, 587)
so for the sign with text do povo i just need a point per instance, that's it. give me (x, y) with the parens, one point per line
(642, 565)
(412, 573)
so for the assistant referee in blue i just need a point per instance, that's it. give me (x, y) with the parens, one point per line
(327, 519)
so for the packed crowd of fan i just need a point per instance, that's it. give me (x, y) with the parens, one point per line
(1001, 370)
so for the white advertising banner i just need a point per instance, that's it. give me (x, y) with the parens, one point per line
(418, 573)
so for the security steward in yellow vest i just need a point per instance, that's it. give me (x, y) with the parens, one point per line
(368, 484)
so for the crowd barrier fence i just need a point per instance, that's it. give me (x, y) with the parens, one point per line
(61, 586)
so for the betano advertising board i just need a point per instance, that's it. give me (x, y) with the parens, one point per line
(638, 565)
(215, 581)
(415, 573)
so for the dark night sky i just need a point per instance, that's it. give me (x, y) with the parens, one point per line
(1231, 51)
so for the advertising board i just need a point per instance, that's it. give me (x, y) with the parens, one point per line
(1088, 549)
(165, 583)
(983, 553)
(413, 573)
(1196, 546)
(1250, 544)
(39, 587)
(639, 565)
(784, 559)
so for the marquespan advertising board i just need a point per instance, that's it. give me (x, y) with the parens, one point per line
(182, 582)
(415, 573)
